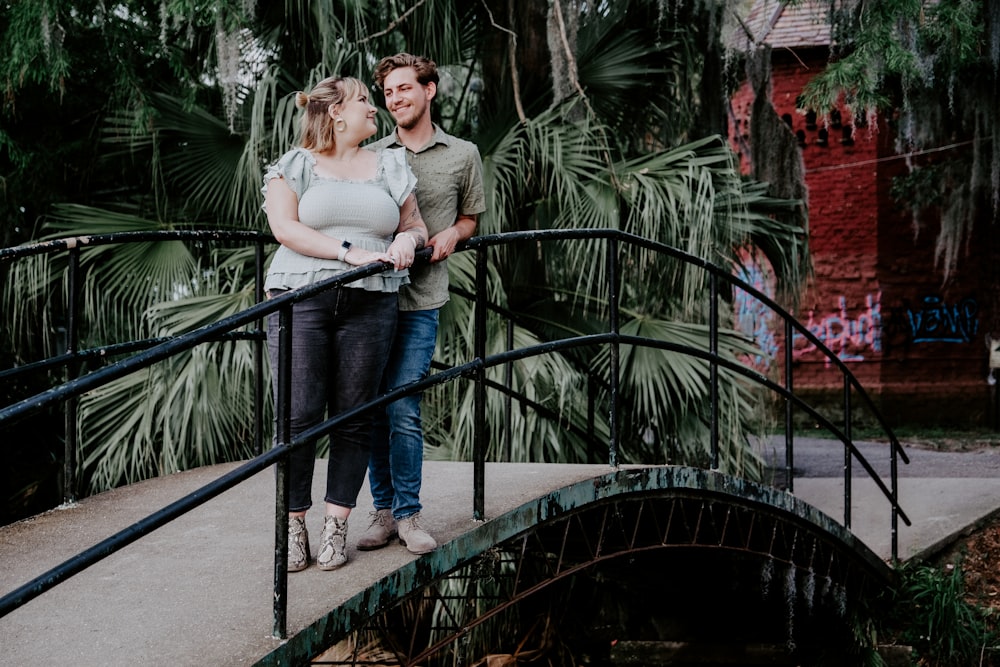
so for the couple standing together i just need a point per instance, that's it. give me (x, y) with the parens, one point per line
(333, 205)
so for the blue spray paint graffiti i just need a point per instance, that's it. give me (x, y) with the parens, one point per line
(852, 339)
(936, 322)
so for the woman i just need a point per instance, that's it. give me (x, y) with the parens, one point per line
(332, 206)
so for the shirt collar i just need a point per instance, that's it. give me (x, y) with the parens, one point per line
(440, 137)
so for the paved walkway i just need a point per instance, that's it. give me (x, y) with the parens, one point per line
(198, 592)
(944, 494)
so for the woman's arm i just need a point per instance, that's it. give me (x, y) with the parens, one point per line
(411, 234)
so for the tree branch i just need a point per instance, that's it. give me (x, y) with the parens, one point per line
(511, 44)
(394, 24)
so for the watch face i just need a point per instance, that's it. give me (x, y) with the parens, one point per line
(346, 245)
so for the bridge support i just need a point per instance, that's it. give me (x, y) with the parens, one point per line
(677, 554)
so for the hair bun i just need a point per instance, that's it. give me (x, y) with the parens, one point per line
(301, 99)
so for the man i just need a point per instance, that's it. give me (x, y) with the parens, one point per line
(450, 196)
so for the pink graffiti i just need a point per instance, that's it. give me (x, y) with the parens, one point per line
(850, 339)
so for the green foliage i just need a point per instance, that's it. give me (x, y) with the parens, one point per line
(190, 410)
(931, 69)
(920, 186)
(38, 55)
(929, 606)
(955, 30)
(187, 102)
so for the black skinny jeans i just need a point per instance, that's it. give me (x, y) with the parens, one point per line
(340, 343)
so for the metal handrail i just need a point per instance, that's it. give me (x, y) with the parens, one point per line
(475, 369)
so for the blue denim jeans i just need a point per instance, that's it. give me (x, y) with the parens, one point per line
(340, 343)
(397, 456)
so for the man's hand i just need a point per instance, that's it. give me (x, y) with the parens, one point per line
(444, 242)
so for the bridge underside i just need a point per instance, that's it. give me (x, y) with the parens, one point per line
(636, 566)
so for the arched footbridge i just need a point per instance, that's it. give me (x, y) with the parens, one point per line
(190, 568)
(672, 539)
(198, 591)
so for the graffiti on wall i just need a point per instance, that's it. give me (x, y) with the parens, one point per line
(851, 338)
(752, 318)
(934, 321)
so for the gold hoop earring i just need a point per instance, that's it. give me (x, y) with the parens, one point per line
(339, 124)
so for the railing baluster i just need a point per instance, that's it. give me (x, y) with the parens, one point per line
(258, 352)
(71, 443)
(508, 373)
(615, 351)
(283, 422)
(789, 407)
(479, 407)
(591, 407)
(713, 369)
(894, 482)
(848, 459)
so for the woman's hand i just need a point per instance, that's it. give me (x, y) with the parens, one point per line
(359, 256)
(411, 234)
(402, 250)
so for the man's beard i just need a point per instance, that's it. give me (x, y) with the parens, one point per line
(411, 121)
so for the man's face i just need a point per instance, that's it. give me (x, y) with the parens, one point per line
(406, 99)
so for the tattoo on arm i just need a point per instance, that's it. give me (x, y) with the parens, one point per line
(413, 218)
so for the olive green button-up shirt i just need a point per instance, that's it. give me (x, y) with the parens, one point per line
(449, 174)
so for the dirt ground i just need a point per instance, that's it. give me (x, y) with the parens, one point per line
(978, 552)
(980, 562)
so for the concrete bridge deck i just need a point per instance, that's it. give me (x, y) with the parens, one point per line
(198, 592)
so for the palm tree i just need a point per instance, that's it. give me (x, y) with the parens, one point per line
(609, 144)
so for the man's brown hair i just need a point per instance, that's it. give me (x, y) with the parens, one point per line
(425, 68)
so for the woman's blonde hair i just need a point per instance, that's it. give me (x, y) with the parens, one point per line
(316, 126)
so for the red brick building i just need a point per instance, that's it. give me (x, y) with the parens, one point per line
(877, 298)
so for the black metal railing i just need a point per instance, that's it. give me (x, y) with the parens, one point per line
(73, 357)
(247, 324)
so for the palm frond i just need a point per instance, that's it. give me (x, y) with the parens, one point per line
(618, 66)
(767, 223)
(123, 280)
(31, 301)
(188, 411)
(669, 391)
(551, 381)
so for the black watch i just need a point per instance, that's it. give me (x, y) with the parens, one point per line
(345, 248)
